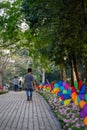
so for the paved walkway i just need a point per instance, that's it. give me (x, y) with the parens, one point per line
(16, 113)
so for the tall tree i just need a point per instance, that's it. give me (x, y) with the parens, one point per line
(65, 19)
(4, 59)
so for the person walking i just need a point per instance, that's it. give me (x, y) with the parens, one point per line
(15, 81)
(28, 84)
(20, 85)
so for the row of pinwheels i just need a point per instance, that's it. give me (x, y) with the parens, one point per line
(68, 94)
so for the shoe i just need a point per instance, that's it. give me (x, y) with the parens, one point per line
(28, 98)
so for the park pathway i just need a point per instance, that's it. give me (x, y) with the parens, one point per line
(16, 113)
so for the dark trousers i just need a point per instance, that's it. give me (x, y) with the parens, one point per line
(29, 92)
(15, 87)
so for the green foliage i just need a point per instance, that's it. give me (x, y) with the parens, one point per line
(56, 29)
(59, 28)
(62, 21)
(54, 75)
(10, 20)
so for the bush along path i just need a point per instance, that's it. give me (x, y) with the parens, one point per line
(68, 103)
(3, 91)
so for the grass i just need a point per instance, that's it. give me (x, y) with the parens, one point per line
(50, 99)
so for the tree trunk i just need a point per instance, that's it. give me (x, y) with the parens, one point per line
(85, 71)
(43, 76)
(63, 73)
(1, 75)
(73, 75)
(86, 76)
(76, 69)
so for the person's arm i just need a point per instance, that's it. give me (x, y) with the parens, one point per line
(34, 82)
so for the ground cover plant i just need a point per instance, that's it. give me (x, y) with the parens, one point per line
(3, 91)
(68, 116)
(68, 105)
